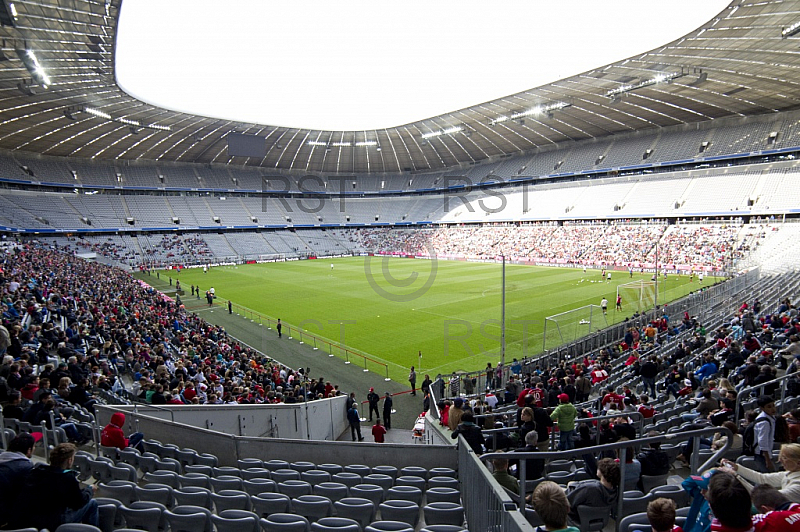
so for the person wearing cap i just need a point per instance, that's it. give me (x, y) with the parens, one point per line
(387, 411)
(373, 399)
(564, 415)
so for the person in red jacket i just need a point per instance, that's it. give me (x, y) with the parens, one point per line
(113, 436)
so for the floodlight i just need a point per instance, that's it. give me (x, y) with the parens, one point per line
(791, 31)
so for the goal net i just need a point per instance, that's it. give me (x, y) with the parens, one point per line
(560, 329)
(637, 296)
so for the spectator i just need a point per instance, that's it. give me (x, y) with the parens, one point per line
(565, 415)
(730, 503)
(661, 515)
(378, 431)
(653, 460)
(51, 495)
(456, 411)
(534, 468)
(787, 481)
(552, 507)
(15, 464)
(471, 432)
(765, 434)
(501, 475)
(113, 436)
(776, 513)
(595, 493)
(355, 422)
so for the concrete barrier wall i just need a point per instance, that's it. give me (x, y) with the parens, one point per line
(316, 420)
(229, 447)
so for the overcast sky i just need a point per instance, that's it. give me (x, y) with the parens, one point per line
(366, 65)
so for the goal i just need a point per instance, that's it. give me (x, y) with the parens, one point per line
(637, 295)
(565, 327)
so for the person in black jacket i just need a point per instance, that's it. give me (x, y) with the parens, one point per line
(51, 495)
(471, 432)
(654, 461)
(15, 464)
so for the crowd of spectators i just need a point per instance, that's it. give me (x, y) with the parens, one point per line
(100, 321)
(685, 247)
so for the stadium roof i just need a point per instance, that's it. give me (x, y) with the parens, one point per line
(735, 65)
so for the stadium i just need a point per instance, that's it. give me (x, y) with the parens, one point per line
(623, 239)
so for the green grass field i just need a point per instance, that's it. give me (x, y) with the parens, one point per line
(394, 308)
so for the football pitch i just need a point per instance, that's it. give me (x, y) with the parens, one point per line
(392, 309)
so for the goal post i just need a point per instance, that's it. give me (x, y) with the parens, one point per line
(637, 295)
(566, 327)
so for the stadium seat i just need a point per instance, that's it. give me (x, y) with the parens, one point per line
(348, 479)
(331, 468)
(335, 524)
(356, 508)
(294, 488)
(406, 493)
(372, 492)
(389, 526)
(280, 475)
(225, 522)
(441, 494)
(385, 470)
(332, 490)
(273, 465)
(312, 507)
(302, 466)
(255, 472)
(442, 482)
(315, 476)
(283, 522)
(443, 513)
(400, 510)
(230, 500)
(189, 519)
(265, 504)
(384, 481)
(259, 485)
(593, 518)
(225, 482)
(193, 496)
(197, 480)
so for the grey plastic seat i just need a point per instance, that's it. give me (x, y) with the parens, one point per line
(414, 471)
(152, 446)
(168, 464)
(372, 492)
(335, 524)
(444, 528)
(100, 469)
(406, 493)
(197, 480)
(259, 485)
(653, 481)
(315, 476)
(399, 510)
(224, 523)
(109, 452)
(193, 496)
(153, 492)
(77, 527)
(221, 471)
(332, 490)
(240, 514)
(301, 466)
(206, 459)
(312, 507)
(593, 518)
(274, 465)
(204, 469)
(330, 468)
(123, 471)
(358, 469)
(170, 478)
(441, 494)
(356, 508)
(410, 480)
(392, 471)
(145, 515)
(255, 472)
(636, 504)
(225, 482)
(348, 479)
(443, 513)
(186, 456)
(271, 503)
(442, 482)
(81, 465)
(231, 500)
(147, 462)
(169, 450)
(280, 475)
(189, 519)
(384, 481)
(674, 492)
(442, 472)
(246, 463)
(106, 517)
(634, 519)
(389, 526)
(123, 492)
(295, 488)
(129, 455)
(283, 522)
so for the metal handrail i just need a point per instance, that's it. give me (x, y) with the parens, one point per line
(622, 447)
(747, 391)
